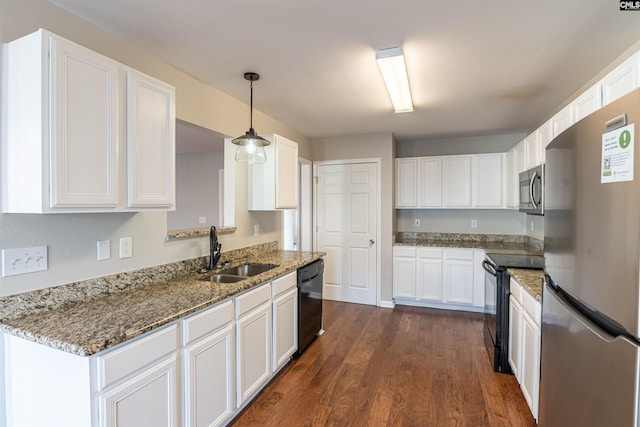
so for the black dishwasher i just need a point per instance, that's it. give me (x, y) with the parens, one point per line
(309, 304)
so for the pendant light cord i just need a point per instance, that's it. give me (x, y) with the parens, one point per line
(251, 109)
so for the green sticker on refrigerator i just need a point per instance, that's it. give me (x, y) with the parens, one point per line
(617, 155)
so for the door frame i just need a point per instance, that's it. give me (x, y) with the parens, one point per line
(378, 162)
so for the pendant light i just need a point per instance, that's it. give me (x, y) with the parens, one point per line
(251, 145)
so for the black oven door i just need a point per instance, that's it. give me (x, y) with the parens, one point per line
(490, 294)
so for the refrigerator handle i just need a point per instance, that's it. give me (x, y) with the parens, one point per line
(598, 323)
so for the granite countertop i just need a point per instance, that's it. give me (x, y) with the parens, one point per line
(88, 327)
(530, 279)
(491, 243)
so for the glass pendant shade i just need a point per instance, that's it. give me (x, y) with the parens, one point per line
(251, 148)
(251, 145)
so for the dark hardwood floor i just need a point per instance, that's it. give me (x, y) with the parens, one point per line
(408, 366)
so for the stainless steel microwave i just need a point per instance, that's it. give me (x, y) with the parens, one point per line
(532, 191)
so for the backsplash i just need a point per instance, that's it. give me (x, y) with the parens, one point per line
(58, 296)
(411, 236)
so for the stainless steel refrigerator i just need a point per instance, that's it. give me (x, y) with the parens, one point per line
(590, 321)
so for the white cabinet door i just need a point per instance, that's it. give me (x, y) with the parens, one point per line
(521, 160)
(459, 276)
(407, 183)
(60, 145)
(209, 378)
(286, 174)
(274, 184)
(532, 148)
(587, 103)
(84, 129)
(430, 283)
(150, 142)
(515, 337)
(148, 399)
(562, 120)
(457, 181)
(544, 135)
(487, 180)
(511, 180)
(285, 328)
(622, 80)
(430, 186)
(530, 362)
(253, 348)
(404, 272)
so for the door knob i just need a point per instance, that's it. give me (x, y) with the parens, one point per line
(371, 241)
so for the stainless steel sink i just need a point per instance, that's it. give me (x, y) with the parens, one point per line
(223, 278)
(248, 270)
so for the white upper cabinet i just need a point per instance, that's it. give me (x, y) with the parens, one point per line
(622, 80)
(274, 184)
(510, 187)
(532, 150)
(151, 144)
(587, 103)
(407, 183)
(520, 157)
(430, 182)
(544, 135)
(487, 180)
(65, 132)
(457, 181)
(466, 181)
(562, 120)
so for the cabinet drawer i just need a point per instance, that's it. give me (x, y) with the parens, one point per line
(406, 251)
(206, 321)
(119, 363)
(430, 253)
(252, 299)
(516, 289)
(461, 254)
(284, 283)
(532, 306)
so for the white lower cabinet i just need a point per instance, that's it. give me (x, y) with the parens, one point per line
(404, 272)
(438, 277)
(253, 329)
(149, 398)
(209, 366)
(515, 336)
(525, 314)
(285, 319)
(198, 371)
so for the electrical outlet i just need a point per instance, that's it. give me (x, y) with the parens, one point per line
(202, 220)
(126, 247)
(23, 260)
(417, 222)
(256, 230)
(532, 225)
(474, 223)
(104, 250)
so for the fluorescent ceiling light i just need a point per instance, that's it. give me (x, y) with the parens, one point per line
(394, 73)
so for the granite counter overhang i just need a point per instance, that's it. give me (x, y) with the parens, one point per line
(89, 327)
(530, 279)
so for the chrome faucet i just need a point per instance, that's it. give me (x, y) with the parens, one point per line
(214, 248)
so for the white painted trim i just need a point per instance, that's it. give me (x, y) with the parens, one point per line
(439, 305)
(378, 162)
(387, 304)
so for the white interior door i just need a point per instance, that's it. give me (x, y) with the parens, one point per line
(346, 220)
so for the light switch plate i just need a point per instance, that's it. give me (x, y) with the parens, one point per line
(24, 260)
(104, 250)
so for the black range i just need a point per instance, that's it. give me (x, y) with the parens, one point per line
(496, 303)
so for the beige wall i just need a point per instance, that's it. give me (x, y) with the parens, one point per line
(365, 147)
(72, 237)
(460, 145)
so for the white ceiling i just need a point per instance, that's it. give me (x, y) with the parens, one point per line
(476, 67)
